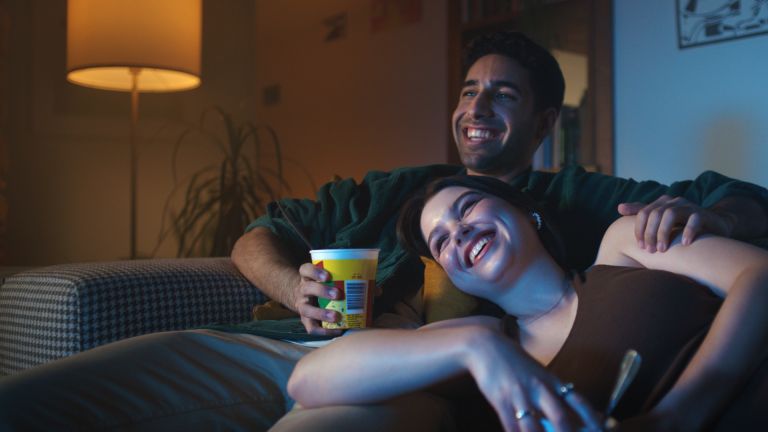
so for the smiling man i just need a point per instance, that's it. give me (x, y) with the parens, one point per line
(498, 123)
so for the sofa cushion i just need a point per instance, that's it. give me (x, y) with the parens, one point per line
(57, 311)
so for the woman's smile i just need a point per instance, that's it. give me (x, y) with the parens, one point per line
(477, 248)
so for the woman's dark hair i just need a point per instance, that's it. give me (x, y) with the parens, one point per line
(544, 72)
(409, 223)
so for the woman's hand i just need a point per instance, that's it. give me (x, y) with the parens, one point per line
(521, 391)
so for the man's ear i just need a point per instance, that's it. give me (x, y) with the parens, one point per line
(547, 119)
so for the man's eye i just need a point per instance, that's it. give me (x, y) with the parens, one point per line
(505, 96)
(468, 93)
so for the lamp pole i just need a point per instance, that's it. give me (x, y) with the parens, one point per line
(134, 156)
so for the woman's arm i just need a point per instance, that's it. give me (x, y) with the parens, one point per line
(735, 344)
(376, 365)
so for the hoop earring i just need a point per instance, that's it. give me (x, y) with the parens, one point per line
(537, 217)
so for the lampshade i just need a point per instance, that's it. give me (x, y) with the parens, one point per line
(108, 38)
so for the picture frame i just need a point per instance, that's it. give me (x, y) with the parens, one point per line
(701, 22)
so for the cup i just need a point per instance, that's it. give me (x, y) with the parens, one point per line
(353, 274)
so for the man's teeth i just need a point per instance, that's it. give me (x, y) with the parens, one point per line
(479, 133)
(478, 247)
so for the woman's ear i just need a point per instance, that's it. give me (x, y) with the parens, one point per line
(536, 220)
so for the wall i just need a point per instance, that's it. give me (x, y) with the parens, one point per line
(368, 100)
(68, 145)
(679, 112)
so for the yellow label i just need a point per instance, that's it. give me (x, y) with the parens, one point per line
(354, 278)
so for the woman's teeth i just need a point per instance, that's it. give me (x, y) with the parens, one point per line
(477, 248)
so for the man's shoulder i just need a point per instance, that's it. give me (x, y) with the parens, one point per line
(383, 184)
(420, 170)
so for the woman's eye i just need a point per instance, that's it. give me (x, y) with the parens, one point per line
(466, 206)
(440, 244)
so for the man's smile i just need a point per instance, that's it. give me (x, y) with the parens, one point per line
(479, 134)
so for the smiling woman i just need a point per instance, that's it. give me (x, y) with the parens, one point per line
(475, 189)
(545, 360)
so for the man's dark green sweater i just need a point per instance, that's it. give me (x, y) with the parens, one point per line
(583, 204)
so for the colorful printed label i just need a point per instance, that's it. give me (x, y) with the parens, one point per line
(354, 279)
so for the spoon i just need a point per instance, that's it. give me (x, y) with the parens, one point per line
(630, 365)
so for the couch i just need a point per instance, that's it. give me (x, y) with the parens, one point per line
(53, 312)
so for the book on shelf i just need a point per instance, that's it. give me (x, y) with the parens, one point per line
(561, 147)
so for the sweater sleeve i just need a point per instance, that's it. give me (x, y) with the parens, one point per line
(585, 203)
(347, 214)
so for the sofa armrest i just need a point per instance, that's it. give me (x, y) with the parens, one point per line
(53, 312)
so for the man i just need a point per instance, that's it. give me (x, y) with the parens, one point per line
(214, 380)
(510, 100)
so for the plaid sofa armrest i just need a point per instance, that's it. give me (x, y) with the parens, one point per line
(57, 311)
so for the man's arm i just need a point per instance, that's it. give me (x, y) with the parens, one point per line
(265, 262)
(586, 203)
(656, 223)
(345, 214)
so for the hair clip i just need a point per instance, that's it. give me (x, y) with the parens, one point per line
(537, 216)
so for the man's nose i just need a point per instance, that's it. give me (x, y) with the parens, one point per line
(480, 107)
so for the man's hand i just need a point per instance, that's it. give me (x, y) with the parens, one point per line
(659, 221)
(265, 262)
(305, 302)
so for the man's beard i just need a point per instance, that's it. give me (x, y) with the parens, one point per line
(500, 162)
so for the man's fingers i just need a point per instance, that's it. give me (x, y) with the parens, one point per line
(314, 289)
(309, 271)
(314, 327)
(672, 218)
(640, 220)
(307, 310)
(312, 315)
(650, 236)
(692, 228)
(630, 209)
(310, 325)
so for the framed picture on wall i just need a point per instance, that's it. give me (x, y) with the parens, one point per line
(701, 22)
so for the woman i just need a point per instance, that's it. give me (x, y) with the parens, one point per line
(700, 324)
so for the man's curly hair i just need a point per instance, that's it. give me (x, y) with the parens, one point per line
(546, 77)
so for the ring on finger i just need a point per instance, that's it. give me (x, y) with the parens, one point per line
(564, 389)
(521, 414)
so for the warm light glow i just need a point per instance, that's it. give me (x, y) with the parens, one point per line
(105, 38)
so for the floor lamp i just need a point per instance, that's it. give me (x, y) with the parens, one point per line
(134, 46)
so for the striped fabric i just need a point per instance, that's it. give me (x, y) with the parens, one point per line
(57, 311)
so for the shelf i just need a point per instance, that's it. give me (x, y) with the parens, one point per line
(581, 27)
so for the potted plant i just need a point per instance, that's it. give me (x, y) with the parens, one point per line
(220, 199)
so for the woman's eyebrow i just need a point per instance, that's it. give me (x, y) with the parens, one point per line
(455, 207)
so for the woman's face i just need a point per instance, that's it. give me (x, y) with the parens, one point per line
(479, 239)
